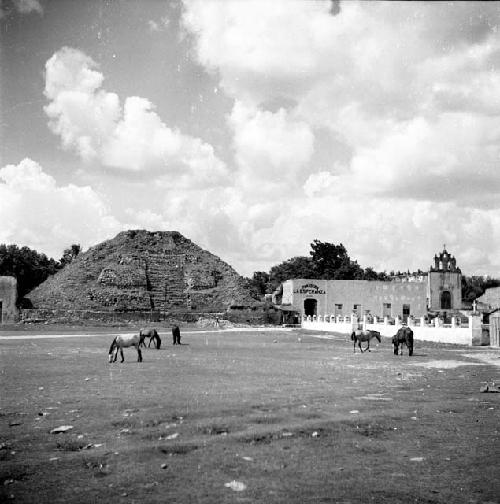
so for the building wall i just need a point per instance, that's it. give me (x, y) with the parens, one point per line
(369, 296)
(8, 298)
(439, 281)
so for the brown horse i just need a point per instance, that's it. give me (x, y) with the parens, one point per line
(124, 341)
(402, 337)
(152, 334)
(359, 335)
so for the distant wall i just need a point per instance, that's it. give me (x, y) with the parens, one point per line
(8, 299)
(455, 333)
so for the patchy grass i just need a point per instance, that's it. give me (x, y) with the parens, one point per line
(295, 420)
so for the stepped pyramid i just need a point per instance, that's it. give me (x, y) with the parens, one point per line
(142, 270)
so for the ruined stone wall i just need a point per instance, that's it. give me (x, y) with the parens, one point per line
(8, 299)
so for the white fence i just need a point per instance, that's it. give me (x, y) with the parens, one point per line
(456, 332)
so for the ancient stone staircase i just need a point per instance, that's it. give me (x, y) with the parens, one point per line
(165, 281)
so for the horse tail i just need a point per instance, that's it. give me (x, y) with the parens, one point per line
(111, 348)
(353, 335)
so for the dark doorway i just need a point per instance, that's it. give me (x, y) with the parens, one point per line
(1, 312)
(406, 312)
(445, 300)
(310, 307)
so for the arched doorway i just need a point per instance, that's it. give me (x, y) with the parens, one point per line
(446, 300)
(310, 307)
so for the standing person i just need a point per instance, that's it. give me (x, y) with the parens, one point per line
(176, 335)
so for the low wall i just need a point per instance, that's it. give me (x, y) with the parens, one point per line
(106, 317)
(455, 333)
(257, 316)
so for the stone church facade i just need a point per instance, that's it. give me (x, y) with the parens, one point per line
(437, 291)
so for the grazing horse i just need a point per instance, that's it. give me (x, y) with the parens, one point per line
(152, 334)
(124, 341)
(359, 335)
(403, 336)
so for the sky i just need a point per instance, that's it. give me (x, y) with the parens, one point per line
(254, 127)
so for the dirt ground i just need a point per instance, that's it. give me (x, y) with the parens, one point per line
(245, 416)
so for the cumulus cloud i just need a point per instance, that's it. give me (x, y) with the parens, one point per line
(407, 94)
(38, 213)
(271, 150)
(374, 124)
(91, 121)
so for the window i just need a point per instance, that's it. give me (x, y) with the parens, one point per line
(386, 309)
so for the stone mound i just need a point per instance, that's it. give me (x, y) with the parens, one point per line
(141, 270)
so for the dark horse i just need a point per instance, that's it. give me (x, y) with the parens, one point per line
(403, 336)
(152, 334)
(359, 335)
(123, 341)
(176, 335)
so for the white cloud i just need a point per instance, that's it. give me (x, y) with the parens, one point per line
(318, 183)
(91, 121)
(405, 92)
(271, 151)
(38, 213)
(408, 93)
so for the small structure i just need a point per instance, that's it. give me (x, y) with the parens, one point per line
(8, 299)
(495, 329)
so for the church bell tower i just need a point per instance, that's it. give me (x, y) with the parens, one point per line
(444, 284)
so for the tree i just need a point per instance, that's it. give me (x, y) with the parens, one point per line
(333, 263)
(260, 283)
(69, 255)
(475, 286)
(28, 266)
(297, 267)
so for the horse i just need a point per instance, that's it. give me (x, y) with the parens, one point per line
(176, 335)
(124, 341)
(152, 334)
(359, 335)
(403, 336)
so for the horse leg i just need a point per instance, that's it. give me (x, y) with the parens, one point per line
(410, 345)
(121, 354)
(139, 355)
(359, 344)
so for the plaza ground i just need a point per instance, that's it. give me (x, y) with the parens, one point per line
(245, 416)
